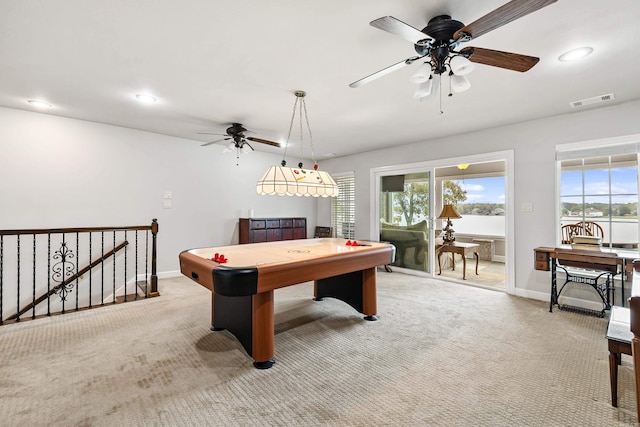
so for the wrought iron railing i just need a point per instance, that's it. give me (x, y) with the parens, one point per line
(83, 267)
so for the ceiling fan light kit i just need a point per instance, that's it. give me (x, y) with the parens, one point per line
(239, 141)
(424, 89)
(439, 44)
(286, 181)
(422, 74)
(460, 65)
(459, 83)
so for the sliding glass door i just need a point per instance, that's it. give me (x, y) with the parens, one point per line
(408, 199)
(404, 218)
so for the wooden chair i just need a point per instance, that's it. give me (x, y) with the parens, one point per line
(619, 337)
(582, 228)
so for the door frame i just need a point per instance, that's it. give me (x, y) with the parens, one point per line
(430, 166)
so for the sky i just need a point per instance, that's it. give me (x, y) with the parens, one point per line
(624, 184)
(483, 190)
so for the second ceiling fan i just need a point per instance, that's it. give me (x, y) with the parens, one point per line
(236, 132)
(440, 40)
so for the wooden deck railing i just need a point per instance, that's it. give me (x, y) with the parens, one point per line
(94, 265)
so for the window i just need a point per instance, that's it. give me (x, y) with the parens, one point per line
(343, 207)
(602, 188)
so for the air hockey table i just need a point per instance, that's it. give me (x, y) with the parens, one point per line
(242, 279)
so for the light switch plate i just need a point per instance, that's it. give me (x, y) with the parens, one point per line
(527, 207)
(167, 204)
(167, 195)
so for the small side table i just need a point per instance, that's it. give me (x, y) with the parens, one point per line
(462, 249)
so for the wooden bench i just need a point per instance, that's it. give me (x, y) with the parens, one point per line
(619, 337)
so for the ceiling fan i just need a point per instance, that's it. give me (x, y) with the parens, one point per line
(236, 132)
(439, 41)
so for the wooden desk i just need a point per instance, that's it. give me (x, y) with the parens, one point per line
(242, 288)
(606, 261)
(462, 249)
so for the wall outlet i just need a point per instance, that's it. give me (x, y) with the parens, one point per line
(166, 204)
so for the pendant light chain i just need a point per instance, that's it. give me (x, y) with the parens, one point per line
(302, 110)
(293, 116)
(301, 133)
(297, 181)
(306, 116)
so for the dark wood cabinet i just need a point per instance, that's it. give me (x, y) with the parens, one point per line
(254, 230)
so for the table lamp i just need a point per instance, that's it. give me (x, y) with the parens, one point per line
(448, 212)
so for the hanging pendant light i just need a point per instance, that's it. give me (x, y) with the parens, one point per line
(286, 181)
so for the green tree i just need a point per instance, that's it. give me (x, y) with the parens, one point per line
(624, 210)
(452, 193)
(413, 201)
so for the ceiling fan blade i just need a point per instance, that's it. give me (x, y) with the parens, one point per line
(213, 142)
(211, 133)
(503, 15)
(262, 141)
(397, 27)
(496, 58)
(385, 71)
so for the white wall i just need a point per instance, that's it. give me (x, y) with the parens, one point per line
(534, 151)
(59, 172)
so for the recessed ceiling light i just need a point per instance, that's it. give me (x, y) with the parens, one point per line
(574, 54)
(39, 104)
(146, 98)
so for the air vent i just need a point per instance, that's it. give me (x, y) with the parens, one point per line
(594, 100)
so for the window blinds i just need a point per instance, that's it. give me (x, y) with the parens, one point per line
(343, 207)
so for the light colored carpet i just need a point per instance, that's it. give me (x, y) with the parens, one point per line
(441, 354)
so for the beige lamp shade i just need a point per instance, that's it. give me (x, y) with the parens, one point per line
(449, 211)
(284, 181)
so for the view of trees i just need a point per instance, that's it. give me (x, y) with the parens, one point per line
(413, 203)
(481, 209)
(452, 193)
(600, 209)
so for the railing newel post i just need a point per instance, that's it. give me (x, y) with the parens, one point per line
(154, 277)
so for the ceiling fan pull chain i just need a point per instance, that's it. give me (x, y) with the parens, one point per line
(440, 91)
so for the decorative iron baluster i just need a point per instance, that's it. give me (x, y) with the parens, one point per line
(48, 275)
(102, 273)
(18, 291)
(146, 263)
(62, 269)
(33, 300)
(125, 268)
(154, 257)
(90, 272)
(136, 269)
(114, 268)
(77, 278)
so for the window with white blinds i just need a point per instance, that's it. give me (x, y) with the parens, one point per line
(343, 207)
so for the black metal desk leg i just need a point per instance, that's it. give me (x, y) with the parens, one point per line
(554, 286)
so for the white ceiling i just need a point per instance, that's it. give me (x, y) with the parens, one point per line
(211, 63)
